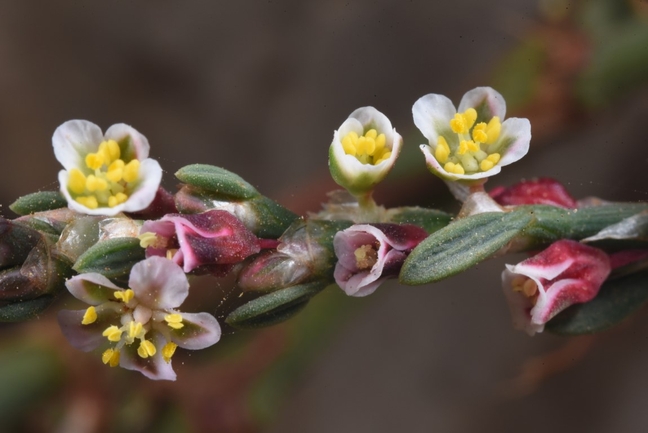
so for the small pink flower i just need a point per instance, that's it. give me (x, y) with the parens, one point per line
(540, 287)
(538, 191)
(141, 323)
(368, 254)
(211, 238)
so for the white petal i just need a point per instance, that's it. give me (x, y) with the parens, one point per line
(369, 117)
(495, 102)
(154, 367)
(200, 330)
(159, 283)
(150, 174)
(92, 288)
(518, 132)
(73, 140)
(432, 113)
(120, 131)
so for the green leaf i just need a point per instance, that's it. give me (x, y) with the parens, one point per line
(461, 245)
(429, 219)
(112, 258)
(217, 180)
(26, 310)
(274, 307)
(272, 219)
(38, 202)
(616, 300)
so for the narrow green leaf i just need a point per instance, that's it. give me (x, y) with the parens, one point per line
(462, 244)
(38, 202)
(274, 307)
(112, 258)
(616, 300)
(217, 180)
(272, 219)
(26, 310)
(429, 219)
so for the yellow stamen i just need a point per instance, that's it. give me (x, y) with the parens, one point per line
(451, 167)
(146, 349)
(479, 132)
(529, 288)
(494, 157)
(486, 165)
(368, 148)
(135, 330)
(170, 253)
(168, 350)
(90, 316)
(94, 183)
(366, 256)
(110, 357)
(88, 201)
(147, 239)
(109, 150)
(115, 171)
(94, 161)
(131, 171)
(124, 295)
(174, 320)
(112, 333)
(493, 130)
(442, 150)
(77, 181)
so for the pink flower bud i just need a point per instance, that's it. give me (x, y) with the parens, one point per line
(538, 191)
(210, 238)
(370, 253)
(540, 287)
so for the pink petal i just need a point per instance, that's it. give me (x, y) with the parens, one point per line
(159, 283)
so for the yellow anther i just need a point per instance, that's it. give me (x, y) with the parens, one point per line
(458, 124)
(454, 168)
(168, 350)
(131, 171)
(115, 171)
(361, 147)
(147, 239)
(112, 333)
(134, 329)
(529, 288)
(380, 144)
(77, 181)
(347, 145)
(110, 150)
(366, 256)
(88, 201)
(170, 253)
(94, 160)
(463, 147)
(494, 157)
(116, 199)
(90, 316)
(493, 130)
(441, 153)
(385, 156)
(94, 183)
(486, 165)
(146, 349)
(372, 133)
(174, 320)
(479, 133)
(370, 146)
(124, 295)
(470, 115)
(110, 357)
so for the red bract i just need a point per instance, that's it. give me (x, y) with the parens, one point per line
(538, 191)
(540, 287)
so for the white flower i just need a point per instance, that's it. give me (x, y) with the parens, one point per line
(105, 173)
(474, 143)
(364, 149)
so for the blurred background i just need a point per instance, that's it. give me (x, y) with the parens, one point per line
(258, 88)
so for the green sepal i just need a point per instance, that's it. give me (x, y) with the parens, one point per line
(461, 245)
(112, 258)
(617, 299)
(38, 202)
(218, 181)
(430, 220)
(274, 307)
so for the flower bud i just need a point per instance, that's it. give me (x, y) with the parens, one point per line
(538, 191)
(540, 287)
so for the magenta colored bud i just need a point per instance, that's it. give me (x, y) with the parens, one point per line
(540, 287)
(368, 254)
(538, 191)
(210, 238)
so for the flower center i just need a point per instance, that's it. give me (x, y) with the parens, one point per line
(476, 151)
(368, 148)
(110, 179)
(366, 257)
(134, 326)
(526, 286)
